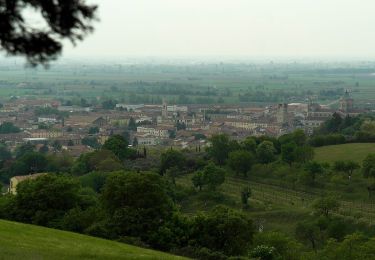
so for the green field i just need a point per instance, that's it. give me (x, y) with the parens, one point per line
(355, 152)
(21, 241)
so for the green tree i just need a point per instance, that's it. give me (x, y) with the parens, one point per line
(263, 252)
(219, 148)
(304, 154)
(266, 152)
(285, 247)
(24, 149)
(198, 180)
(35, 162)
(324, 206)
(249, 144)
(44, 149)
(170, 159)
(288, 153)
(347, 167)
(137, 203)
(132, 125)
(119, 146)
(245, 195)
(8, 128)
(66, 20)
(93, 130)
(314, 168)
(5, 154)
(368, 166)
(213, 175)
(308, 231)
(223, 230)
(91, 141)
(240, 161)
(45, 200)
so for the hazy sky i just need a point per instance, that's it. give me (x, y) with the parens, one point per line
(252, 28)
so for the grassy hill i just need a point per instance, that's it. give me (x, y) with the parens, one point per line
(21, 241)
(355, 152)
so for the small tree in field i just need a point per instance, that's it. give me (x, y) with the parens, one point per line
(347, 167)
(324, 206)
(211, 176)
(245, 195)
(314, 168)
(240, 161)
(198, 180)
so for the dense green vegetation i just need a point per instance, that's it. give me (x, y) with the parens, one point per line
(259, 198)
(21, 241)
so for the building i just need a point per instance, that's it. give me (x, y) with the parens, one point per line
(153, 131)
(282, 114)
(346, 102)
(14, 181)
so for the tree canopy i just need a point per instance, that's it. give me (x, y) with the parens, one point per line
(68, 19)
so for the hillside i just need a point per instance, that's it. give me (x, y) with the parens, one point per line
(356, 152)
(21, 241)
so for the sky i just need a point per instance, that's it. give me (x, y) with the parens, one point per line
(231, 28)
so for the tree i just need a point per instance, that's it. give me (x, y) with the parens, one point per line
(93, 130)
(69, 19)
(8, 127)
(137, 203)
(132, 124)
(198, 180)
(170, 159)
(249, 144)
(347, 167)
(56, 145)
(219, 149)
(45, 199)
(245, 195)
(240, 161)
(91, 141)
(285, 247)
(308, 231)
(34, 161)
(223, 230)
(288, 153)
(314, 168)
(211, 176)
(324, 206)
(368, 166)
(44, 149)
(118, 145)
(304, 154)
(266, 152)
(5, 154)
(263, 252)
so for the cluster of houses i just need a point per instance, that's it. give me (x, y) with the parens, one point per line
(185, 126)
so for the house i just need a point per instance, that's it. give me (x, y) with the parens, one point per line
(14, 181)
(154, 131)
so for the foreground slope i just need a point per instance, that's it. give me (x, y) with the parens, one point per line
(21, 241)
(356, 152)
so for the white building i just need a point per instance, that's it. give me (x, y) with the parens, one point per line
(158, 132)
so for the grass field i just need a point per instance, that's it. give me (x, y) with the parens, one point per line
(355, 152)
(21, 241)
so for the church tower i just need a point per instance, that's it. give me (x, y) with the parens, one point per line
(346, 102)
(164, 111)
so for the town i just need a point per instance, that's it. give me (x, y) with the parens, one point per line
(54, 127)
